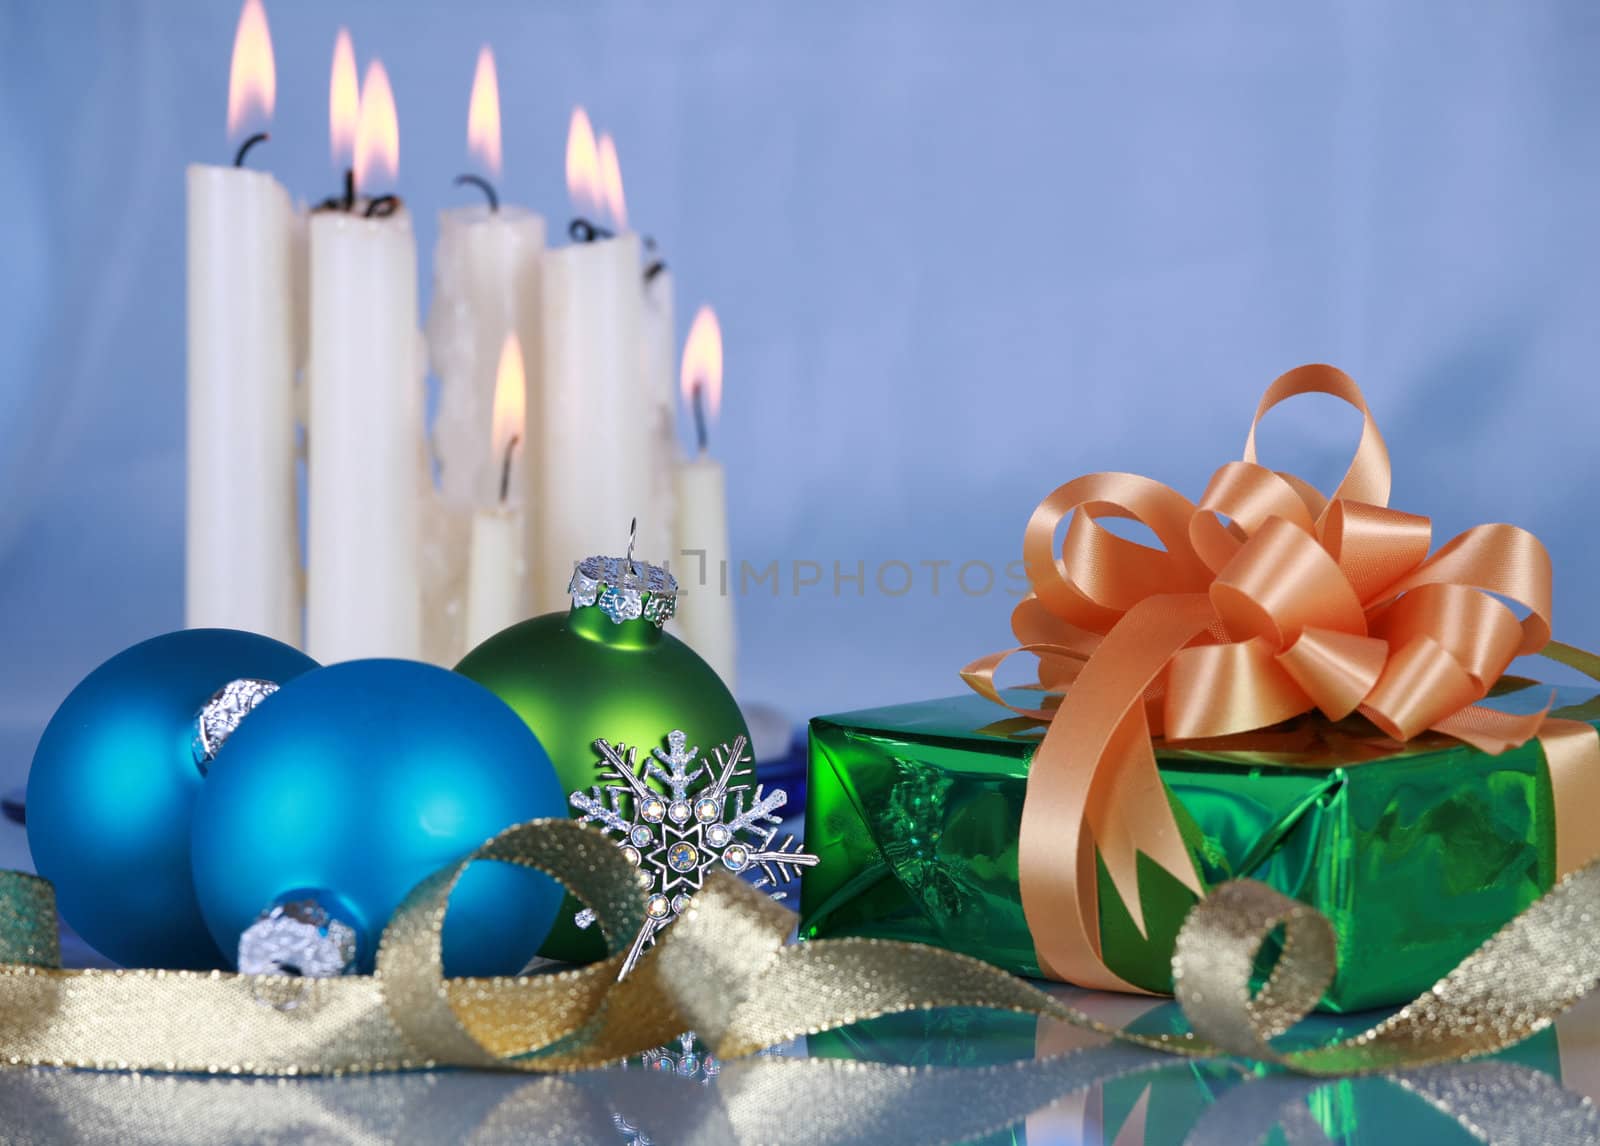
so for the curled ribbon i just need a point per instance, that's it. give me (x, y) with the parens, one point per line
(724, 971)
(1267, 601)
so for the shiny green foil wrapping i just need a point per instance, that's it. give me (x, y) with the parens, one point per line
(1416, 854)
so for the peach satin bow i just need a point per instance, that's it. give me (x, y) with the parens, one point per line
(1268, 601)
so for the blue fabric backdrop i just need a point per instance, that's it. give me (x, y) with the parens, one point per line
(962, 253)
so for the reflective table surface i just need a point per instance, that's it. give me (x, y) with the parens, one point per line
(952, 1076)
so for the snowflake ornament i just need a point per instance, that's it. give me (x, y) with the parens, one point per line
(676, 840)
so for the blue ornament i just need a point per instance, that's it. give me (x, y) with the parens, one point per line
(113, 786)
(352, 785)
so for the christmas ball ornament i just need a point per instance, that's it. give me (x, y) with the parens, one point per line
(605, 668)
(114, 782)
(352, 785)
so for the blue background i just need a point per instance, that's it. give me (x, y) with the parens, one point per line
(962, 253)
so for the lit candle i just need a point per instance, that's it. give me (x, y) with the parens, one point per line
(242, 554)
(658, 364)
(365, 428)
(659, 373)
(705, 604)
(486, 285)
(495, 581)
(589, 465)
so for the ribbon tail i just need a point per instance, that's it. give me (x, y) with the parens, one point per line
(1072, 777)
(1056, 862)
(1122, 822)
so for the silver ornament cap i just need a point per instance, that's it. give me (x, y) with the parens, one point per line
(221, 716)
(297, 938)
(625, 589)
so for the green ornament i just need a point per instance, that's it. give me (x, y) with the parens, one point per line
(605, 670)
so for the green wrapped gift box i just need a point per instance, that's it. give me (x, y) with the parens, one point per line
(1416, 854)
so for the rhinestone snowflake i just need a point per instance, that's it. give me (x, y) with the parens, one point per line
(675, 840)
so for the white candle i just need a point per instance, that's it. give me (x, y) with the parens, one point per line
(494, 574)
(589, 471)
(242, 552)
(658, 365)
(705, 598)
(659, 371)
(485, 286)
(705, 608)
(496, 580)
(363, 597)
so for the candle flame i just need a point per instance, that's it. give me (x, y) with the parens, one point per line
(483, 114)
(377, 130)
(252, 76)
(583, 164)
(510, 397)
(611, 184)
(344, 101)
(702, 362)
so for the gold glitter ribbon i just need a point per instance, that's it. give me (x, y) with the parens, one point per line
(724, 971)
(1266, 601)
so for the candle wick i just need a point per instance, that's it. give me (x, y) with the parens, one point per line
(505, 467)
(345, 202)
(483, 185)
(633, 535)
(583, 231)
(700, 415)
(656, 265)
(382, 207)
(244, 148)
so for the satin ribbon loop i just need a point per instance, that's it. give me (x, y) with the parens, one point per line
(1367, 478)
(1374, 545)
(1220, 690)
(1481, 634)
(1250, 496)
(1336, 670)
(979, 676)
(1420, 686)
(1279, 582)
(1266, 602)
(1069, 591)
(1504, 560)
